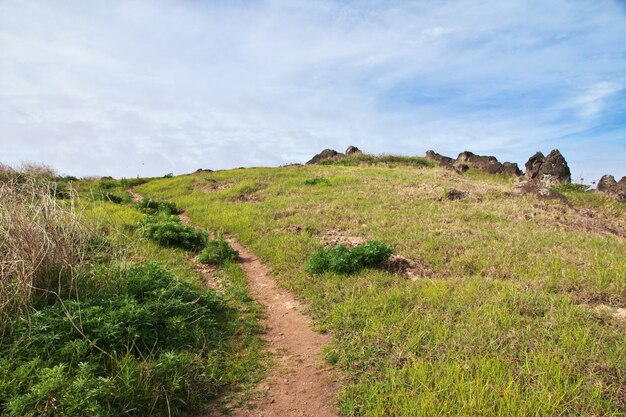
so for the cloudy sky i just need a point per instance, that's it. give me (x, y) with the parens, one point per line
(129, 88)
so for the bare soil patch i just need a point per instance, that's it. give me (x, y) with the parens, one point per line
(135, 198)
(298, 384)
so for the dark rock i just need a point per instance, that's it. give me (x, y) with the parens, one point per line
(607, 183)
(609, 186)
(510, 168)
(203, 170)
(465, 156)
(441, 159)
(487, 164)
(548, 170)
(326, 154)
(556, 166)
(106, 178)
(533, 165)
(352, 150)
(453, 194)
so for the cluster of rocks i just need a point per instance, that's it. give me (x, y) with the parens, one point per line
(331, 154)
(542, 172)
(615, 189)
(547, 171)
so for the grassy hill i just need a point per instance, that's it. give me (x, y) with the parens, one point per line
(495, 302)
(508, 305)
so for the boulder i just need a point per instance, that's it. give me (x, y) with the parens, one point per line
(441, 159)
(352, 150)
(203, 170)
(510, 168)
(533, 165)
(487, 164)
(326, 154)
(548, 170)
(556, 166)
(609, 186)
(607, 183)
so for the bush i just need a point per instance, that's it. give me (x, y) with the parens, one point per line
(317, 181)
(218, 252)
(150, 206)
(169, 231)
(136, 346)
(342, 260)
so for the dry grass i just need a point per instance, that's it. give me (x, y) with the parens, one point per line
(42, 241)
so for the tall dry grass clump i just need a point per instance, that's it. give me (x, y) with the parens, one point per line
(42, 242)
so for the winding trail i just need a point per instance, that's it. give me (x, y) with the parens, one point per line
(297, 385)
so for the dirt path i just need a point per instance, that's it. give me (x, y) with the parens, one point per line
(297, 385)
(134, 197)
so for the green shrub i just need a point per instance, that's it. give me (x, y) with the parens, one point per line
(317, 181)
(170, 232)
(218, 252)
(342, 260)
(140, 347)
(150, 206)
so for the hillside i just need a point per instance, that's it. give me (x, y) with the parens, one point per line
(497, 303)
(213, 293)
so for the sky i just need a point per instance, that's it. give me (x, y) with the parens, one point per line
(128, 88)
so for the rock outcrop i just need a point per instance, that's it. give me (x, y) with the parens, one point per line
(440, 159)
(326, 154)
(615, 189)
(488, 164)
(511, 168)
(548, 170)
(352, 150)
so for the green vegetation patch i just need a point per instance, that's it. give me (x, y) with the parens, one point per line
(218, 252)
(170, 232)
(150, 206)
(317, 181)
(367, 159)
(342, 260)
(135, 345)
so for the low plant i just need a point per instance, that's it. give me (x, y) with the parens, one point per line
(343, 260)
(317, 181)
(150, 206)
(218, 252)
(170, 232)
(147, 343)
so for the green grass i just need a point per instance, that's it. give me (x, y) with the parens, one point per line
(498, 316)
(391, 160)
(138, 335)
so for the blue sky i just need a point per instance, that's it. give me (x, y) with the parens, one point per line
(151, 87)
